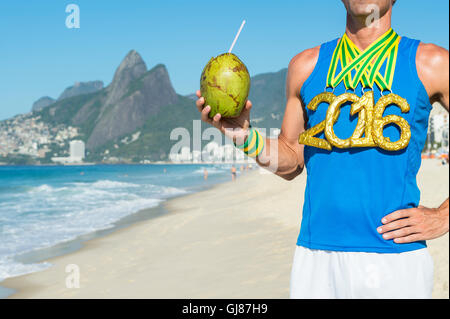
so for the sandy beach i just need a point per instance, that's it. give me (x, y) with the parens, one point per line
(235, 240)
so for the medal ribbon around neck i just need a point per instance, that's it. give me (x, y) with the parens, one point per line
(366, 65)
(361, 67)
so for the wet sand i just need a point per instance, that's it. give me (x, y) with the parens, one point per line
(235, 240)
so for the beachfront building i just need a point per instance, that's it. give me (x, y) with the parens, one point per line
(77, 150)
(438, 128)
(211, 153)
(228, 152)
(185, 155)
(76, 153)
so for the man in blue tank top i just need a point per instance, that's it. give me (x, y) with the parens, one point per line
(356, 117)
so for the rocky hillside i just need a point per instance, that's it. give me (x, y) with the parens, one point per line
(268, 96)
(133, 96)
(42, 102)
(133, 116)
(80, 88)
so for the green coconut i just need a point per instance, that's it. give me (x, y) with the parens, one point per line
(225, 84)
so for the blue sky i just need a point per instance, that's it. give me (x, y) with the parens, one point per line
(40, 56)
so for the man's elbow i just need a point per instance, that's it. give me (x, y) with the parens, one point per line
(290, 176)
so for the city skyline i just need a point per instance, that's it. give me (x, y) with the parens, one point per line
(42, 56)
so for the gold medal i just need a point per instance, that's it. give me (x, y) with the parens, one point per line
(366, 69)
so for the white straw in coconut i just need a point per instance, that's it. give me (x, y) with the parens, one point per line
(237, 36)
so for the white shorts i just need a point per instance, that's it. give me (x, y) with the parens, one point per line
(338, 274)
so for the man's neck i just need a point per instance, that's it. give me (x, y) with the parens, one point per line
(363, 35)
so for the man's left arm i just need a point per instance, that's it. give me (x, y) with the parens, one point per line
(422, 223)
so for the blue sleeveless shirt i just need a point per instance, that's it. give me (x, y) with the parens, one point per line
(349, 191)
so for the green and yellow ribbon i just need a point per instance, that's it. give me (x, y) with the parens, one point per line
(366, 65)
(254, 144)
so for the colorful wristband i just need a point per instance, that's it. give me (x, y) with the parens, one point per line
(255, 144)
(249, 137)
(259, 145)
(252, 141)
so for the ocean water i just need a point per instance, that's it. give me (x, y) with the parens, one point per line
(44, 206)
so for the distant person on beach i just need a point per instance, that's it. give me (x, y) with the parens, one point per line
(233, 173)
(363, 232)
(205, 174)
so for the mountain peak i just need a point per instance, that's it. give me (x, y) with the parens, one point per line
(81, 88)
(42, 103)
(132, 65)
(131, 68)
(132, 58)
(143, 97)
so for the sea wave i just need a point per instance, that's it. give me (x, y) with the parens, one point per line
(45, 207)
(112, 184)
(210, 170)
(47, 215)
(45, 230)
(10, 268)
(46, 189)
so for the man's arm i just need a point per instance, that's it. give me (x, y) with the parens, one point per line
(421, 223)
(284, 155)
(432, 66)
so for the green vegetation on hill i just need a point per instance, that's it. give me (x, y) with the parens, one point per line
(154, 139)
(132, 118)
(153, 143)
(64, 111)
(18, 159)
(138, 83)
(268, 96)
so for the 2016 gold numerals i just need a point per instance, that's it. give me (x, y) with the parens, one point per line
(369, 128)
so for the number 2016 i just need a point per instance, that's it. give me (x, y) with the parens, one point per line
(370, 122)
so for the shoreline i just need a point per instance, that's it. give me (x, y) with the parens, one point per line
(24, 286)
(214, 243)
(72, 246)
(46, 254)
(243, 162)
